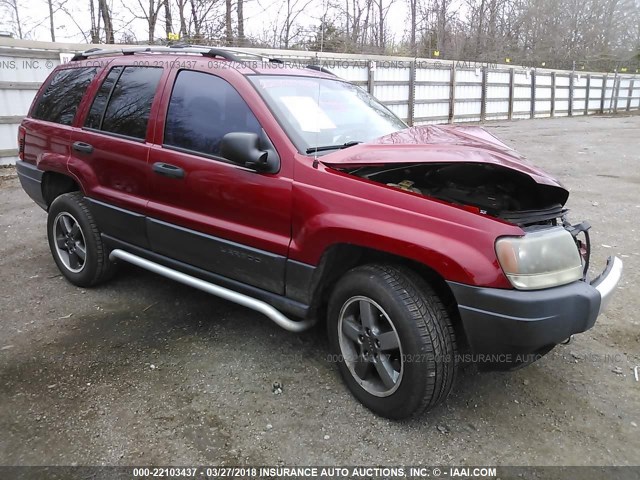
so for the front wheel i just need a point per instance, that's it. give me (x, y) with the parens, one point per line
(393, 340)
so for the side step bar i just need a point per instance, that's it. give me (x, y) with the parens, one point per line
(218, 291)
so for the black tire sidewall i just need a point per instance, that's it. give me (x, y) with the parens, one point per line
(68, 203)
(418, 357)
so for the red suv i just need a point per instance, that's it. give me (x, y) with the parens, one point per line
(294, 193)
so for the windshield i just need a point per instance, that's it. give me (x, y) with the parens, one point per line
(321, 112)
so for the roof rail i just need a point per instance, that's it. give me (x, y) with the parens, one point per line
(320, 68)
(239, 55)
(181, 48)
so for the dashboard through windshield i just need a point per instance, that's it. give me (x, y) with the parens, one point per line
(320, 114)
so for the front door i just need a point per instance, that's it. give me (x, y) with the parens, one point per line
(205, 210)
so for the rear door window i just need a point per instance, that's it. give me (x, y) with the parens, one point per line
(128, 94)
(203, 109)
(59, 100)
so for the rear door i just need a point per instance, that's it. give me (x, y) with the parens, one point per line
(210, 212)
(110, 151)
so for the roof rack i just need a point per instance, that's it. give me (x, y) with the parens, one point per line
(179, 49)
(320, 68)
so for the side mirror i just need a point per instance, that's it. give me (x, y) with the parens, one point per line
(243, 149)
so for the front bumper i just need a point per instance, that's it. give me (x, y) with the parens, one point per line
(516, 322)
(606, 282)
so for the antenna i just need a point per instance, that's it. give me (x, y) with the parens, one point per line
(315, 155)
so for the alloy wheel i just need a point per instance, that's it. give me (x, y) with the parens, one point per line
(70, 243)
(370, 346)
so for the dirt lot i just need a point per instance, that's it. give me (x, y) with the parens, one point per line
(146, 371)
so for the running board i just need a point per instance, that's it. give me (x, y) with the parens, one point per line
(217, 290)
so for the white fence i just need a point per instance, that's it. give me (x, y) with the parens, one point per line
(432, 92)
(420, 91)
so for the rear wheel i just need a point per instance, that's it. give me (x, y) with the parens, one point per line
(75, 242)
(393, 340)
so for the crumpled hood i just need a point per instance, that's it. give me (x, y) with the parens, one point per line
(438, 144)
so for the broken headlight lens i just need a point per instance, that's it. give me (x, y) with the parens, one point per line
(540, 259)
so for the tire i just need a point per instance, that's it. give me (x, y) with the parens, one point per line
(392, 339)
(73, 234)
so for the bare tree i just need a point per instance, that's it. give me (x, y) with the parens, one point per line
(357, 20)
(149, 14)
(413, 26)
(196, 19)
(12, 6)
(108, 21)
(444, 15)
(228, 22)
(240, 15)
(95, 23)
(293, 9)
(380, 26)
(52, 28)
(204, 13)
(72, 16)
(597, 33)
(181, 17)
(168, 23)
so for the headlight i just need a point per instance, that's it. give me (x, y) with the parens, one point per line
(541, 259)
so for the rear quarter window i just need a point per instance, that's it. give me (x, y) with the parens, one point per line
(59, 100)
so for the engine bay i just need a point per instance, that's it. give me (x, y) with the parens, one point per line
(493, 189)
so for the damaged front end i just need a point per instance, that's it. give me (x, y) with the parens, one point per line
(469, 168)
(546, 262)
(484, 188)
(499, 192)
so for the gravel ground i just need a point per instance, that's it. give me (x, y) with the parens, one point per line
(145, 371)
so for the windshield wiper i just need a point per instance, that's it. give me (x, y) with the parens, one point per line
(324, 148)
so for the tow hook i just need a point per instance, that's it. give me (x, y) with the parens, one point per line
(567, 341)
